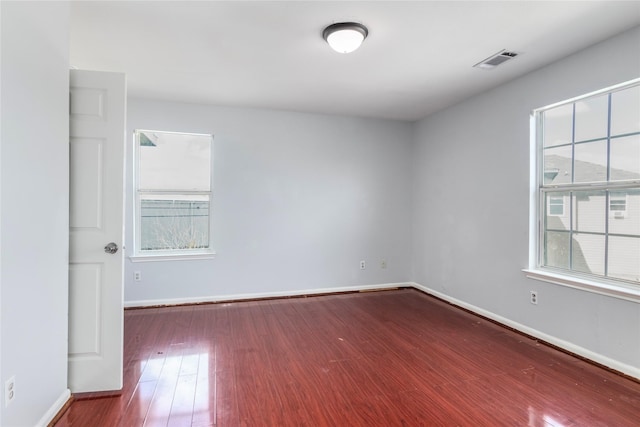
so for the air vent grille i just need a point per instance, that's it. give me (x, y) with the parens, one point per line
(496, 59)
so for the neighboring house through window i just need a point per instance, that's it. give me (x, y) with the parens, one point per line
(588, 186)
(173, 193)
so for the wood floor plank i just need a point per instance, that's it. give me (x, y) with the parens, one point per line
(204, 405)
(138, 406)
(395, 358)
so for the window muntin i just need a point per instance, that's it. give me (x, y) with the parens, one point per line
(173, 193)
(589, 151)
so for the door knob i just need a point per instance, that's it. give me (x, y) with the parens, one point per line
(111, 248)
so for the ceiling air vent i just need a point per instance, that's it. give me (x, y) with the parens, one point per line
(496, 59)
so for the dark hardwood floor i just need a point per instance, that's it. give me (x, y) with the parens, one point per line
(393, 358)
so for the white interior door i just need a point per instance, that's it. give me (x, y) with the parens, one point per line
(97, 139)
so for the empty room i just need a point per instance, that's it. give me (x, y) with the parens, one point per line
(319, 213)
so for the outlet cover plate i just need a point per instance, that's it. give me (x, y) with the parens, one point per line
(9, 391)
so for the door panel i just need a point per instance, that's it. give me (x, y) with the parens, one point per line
(85, 295)
(86, 162)
(97, 129)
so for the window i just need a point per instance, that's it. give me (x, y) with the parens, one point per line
(556, 206)
(618, 205)
(173, 193)
(588, 186)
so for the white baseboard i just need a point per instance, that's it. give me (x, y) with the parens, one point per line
(240, 297)
(54, 409)
(580, 351)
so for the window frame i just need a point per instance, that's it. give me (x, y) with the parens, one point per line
(140, 255)
(609, 286)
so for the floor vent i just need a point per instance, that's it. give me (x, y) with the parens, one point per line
(496, 59)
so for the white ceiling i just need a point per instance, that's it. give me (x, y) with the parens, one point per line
(417, 59)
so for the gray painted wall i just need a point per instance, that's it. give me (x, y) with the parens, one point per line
(471, 205)
(34, 174)
(299, 199)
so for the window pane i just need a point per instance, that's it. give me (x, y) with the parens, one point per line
(589, 211)
(625, 221)
(558, 125)
(625, 111)
(588, 253)
(173, 161)
(590, 162)
(625, 158)
(556, 249)
(592, 116)
(174, 222)
(624, 256)
(557, 165)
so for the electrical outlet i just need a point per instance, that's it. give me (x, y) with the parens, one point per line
(9, 391)
(362, 265)
(137, 276)
(383, 263)
(534, 297)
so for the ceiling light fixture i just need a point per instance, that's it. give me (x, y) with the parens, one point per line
(345, 37)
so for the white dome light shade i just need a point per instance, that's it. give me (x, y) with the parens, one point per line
(345, 37)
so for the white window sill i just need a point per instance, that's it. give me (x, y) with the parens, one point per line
(172, 257)
(615, 290)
